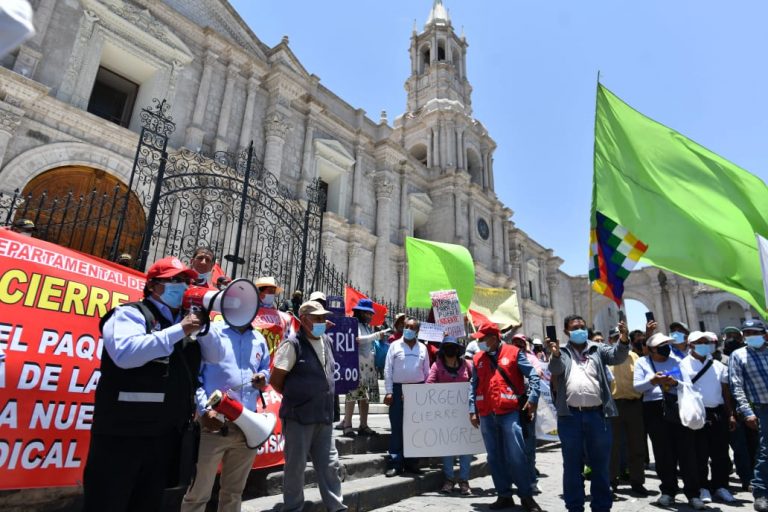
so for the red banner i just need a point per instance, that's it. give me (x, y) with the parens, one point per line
(51, 300)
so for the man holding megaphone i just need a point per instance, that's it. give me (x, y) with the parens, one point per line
(241, 374)
(143, 438)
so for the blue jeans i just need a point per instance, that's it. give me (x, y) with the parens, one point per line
(503, 439)
(396, 458)
(464, 462)
(530, 450)
(760, 479)
(590, 431)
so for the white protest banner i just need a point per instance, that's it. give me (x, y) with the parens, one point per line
(546, 413)
(445, 304)
(431, 332)
(436, 421)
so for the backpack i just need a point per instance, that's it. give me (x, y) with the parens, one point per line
(380, 349)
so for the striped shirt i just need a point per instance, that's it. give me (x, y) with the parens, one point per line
(748, 372)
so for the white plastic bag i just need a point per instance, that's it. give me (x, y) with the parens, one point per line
(692, 412)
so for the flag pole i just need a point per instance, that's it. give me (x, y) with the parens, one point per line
(589, 292)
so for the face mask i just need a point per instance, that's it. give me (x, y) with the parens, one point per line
(451, 351)
(664, 350)
(730, 346)
(173, 294)
(704, 350)
(409, 334)
(268, 301)
(578, 336)
(482, 346)
(318, 329)
(678, 336)
(756, 341)
(203, 277)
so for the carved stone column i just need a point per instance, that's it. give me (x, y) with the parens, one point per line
(250, 104)
(195, 132)
(381, 260)
(225, 113)
(357, 179)
(275, 130)
(309, 134)
(30, 52)
(354, 253)
(10, 118)
(79, 50)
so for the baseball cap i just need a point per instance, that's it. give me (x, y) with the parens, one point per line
(613, 332)
(697, 335)
(537, 341)
(24, 225)
(451, 340)
(486, 329)
(312, 307)
(317, 296)
(753, 325)
(169, 267)
(731, 329)
(683, 325)
(658, 339)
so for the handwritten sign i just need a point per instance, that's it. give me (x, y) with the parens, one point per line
(431, 332)
(445, 304)
(436, 421)
(346, 372)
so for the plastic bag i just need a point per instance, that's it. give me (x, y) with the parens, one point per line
(692, 412)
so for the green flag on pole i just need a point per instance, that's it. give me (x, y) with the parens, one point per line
(696, 212)
(434, 266)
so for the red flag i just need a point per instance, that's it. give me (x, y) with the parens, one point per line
(478, 319)
(352, 297)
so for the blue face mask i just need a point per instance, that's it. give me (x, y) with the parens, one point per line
(173, 294)
(578, 336)
(678, 336)
(756, 341)
(704, 350)
(482, 346)
(318, 329)
(409, 334)
(268, 301)
(203, 277)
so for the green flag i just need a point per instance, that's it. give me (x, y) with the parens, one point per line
(696, 212)
(434, 266)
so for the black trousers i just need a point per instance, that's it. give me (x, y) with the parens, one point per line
(672, 444)
(129, 473)
(712, 449)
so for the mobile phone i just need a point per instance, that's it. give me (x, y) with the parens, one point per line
(622, 316)
(649, 316)
(551, 333)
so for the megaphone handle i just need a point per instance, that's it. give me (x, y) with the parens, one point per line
(206, 321)
(263, 402)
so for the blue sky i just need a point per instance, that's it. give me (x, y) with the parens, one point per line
(697, 66)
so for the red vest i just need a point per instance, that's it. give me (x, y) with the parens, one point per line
(493, 394)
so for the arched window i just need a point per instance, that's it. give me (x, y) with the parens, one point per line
(419, 152)
(425, 56)
(474, 166)
(441, 51)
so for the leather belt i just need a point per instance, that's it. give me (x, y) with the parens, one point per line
(586, 409)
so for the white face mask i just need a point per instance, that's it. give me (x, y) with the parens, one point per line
(268, 301)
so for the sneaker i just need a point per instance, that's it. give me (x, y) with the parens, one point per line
(666, 500)
(529, 504)
(705, 496)
(761, 504)
(640, 489)
(464, 488)
(724, 495)
(696, 504)
(447, 486)
(502, 502)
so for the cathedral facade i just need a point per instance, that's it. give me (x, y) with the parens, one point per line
(70, 100)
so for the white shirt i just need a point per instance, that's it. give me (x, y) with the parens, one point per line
(405, 365)
(710, 383)
(582, 389)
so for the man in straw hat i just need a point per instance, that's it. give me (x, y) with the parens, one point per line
(303, 373)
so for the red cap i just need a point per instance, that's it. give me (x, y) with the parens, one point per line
(169, 267)
(486, 329)
(520, 337)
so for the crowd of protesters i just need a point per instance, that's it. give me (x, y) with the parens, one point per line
(611, 396)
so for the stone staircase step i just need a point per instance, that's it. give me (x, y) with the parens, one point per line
(371, 492)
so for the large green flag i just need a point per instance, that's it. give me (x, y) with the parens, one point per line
(434, 266)
(696, 212)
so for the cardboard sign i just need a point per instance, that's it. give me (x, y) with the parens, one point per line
(445, 305)
(436, 421)
(346, 372)
(431, 332)
(546, 413)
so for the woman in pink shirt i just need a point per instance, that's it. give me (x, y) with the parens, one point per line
(449, 366)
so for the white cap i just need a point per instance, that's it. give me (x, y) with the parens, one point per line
(697, 335)
(658, 339)
(317, 296)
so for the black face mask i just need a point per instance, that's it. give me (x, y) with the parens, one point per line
(638, 346)
(451, 351)
(664, 350)
(731, 345)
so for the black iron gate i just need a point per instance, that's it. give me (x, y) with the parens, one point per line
(228, 202)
